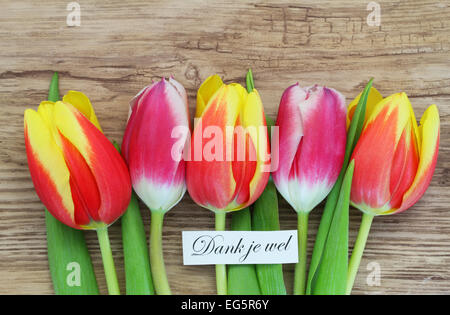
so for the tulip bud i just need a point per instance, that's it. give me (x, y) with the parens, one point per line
(237, 171)
(77, 173)
(312, 133)
(394, 158)
(158, 176)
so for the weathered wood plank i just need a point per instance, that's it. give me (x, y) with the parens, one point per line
(121, 46)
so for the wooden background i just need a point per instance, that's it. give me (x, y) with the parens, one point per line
(122, 45)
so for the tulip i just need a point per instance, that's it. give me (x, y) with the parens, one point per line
(394, 162)
(77, 173)
(228, 172)
(65, 244)
(312, 137)
(158, 124)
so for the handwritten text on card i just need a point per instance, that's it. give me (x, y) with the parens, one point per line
(239, 247)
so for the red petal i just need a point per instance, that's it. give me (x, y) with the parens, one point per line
(404, 168)
(243, 169)
(45, 188)
(83, 185)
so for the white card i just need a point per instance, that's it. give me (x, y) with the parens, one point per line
(239, 247)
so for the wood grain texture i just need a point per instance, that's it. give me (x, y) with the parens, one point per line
(122, 45)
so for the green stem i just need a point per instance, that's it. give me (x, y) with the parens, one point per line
(108, 262)
(358, 250)
(159, 275)
(221, 271)
(300, 267)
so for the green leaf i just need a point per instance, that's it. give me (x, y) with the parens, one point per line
(270, 123)
(69, 259)
(242, 279)
(352, 138)
(357, 122)
(265, 218)
(138, 277)
(331, 274)
(249, 81)
(68, 256)
(53, 91)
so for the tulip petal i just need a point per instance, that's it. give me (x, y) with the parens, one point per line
(105, 163)
(290, 124)
(135, 105)
(243, 169)
(320, 154)
(258, 147)
(429, 131)
(181, 90)
(48, 169)
(81, 102)
(208, 88)
(83, 185)
(221, 111)
(404, 167)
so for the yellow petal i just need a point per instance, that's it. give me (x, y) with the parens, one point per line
(253, 120)
(241, 91)
(221, 112)
(415, 128)
(45, 111)
(397, 103)
(81, 102)
(67, 123)
(429, 132)
(373, 98)
(48, 154)
(429, 137)
(208, 88)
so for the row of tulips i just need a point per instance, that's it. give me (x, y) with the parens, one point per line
(372, 155)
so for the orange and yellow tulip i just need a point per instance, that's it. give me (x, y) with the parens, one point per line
(227, 181)
(230, 171)
(394, 158)
(394, 161)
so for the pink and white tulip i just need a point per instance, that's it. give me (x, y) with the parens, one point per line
(153, 147)
(157, 176)
(312, 137)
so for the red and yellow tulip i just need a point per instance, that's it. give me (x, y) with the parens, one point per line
(76, 171)
(394, 158)
(228, 181)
